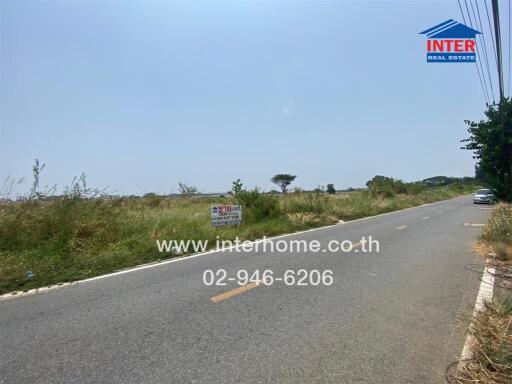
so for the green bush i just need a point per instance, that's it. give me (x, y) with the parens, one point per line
(381, 186)
(499, 225)
(60, 224)
(307, 203)
(257, 206)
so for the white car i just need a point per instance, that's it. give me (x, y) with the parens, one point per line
(483, 196)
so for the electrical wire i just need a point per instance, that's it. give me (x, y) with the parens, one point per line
(481, 77)
(478, 23)
(492, 33)
(462, 13)
(478, 61)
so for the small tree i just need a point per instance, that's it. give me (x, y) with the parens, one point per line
(186, 190)
(237, 187)
(37, 168)
(330, 189)
(283, 180)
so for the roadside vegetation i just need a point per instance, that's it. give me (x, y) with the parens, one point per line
(497, 234)
(490, 140)
(47, 239)
(491, 328)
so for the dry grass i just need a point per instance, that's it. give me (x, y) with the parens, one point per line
(492, 350)
(71, 238)
(491, 329)
(499, 226)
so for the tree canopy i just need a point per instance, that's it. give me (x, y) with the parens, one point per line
(491, 142)
(283, 180)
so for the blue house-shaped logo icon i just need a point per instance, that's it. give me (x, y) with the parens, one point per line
(450, 29)
(451, 42)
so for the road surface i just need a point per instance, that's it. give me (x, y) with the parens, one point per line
(389, 317)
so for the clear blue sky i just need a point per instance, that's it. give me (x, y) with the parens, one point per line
(141, 95)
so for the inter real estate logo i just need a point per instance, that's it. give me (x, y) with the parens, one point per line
(451, 42)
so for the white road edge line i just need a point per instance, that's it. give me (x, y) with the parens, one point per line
(18, 294)
(485, 293)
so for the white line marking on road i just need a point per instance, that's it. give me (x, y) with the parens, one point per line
(473, 225)
(425, 218)
(401, 227)
(485, 293)
(17, 294)
(439, 212)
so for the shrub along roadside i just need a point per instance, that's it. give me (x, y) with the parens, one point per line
(498, 232)
(491, 328)
(72, 237)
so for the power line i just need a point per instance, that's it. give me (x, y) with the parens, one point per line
(462, 13)
(478, 22)
(492, 34)
(486, 97)
(477, 62)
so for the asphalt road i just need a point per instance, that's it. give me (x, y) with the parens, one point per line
(389, 317)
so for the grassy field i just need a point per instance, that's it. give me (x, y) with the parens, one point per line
(71, 238)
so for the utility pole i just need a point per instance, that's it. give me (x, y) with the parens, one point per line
(496, 16)
(506, 127)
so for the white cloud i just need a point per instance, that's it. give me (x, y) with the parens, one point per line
(287, 108)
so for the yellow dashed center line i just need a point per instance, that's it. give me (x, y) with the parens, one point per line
(234, 292)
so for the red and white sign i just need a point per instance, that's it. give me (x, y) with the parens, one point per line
(226, 215)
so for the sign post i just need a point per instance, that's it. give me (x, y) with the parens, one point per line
(226, 215)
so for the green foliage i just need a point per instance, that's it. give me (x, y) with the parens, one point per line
(80, 235)
(499, 226)
(283, 180)
(439, 181)
(498, 232)
(307, 203)
(187, 190)
(237, 187)
(257, 206)
(317, 190)
(330, 189)
(491, 142)
(388, 187)
(479, 175)
(37, 168)
(381, 186)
